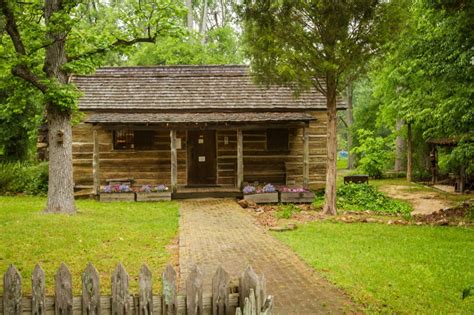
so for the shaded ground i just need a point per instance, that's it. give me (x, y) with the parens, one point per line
(217, 232)
(423, 202)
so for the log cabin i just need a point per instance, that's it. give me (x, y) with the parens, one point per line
(196, 129)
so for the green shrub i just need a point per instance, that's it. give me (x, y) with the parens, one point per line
(286, 211)
(366, 197)
(375, 153)
(18, 177)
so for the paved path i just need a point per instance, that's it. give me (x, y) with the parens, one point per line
(218, 231)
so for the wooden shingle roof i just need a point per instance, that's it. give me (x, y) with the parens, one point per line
(156, 118)
(187, 88)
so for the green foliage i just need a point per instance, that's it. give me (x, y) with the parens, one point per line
(286, 211)
(467, 292)
(375, 153)
(366, 197)
(389, 269)
(21, 177)
(220, 46)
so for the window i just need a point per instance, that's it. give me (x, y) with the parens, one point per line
(133, 139)
(277, 139)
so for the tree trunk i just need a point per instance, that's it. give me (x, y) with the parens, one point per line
(60, 186)
(203, 26)
(350, 122)
(330, 194)
(409, 153)
(189, 5)
(399, 147)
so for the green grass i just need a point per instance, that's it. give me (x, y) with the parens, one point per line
(342, 164)
(102, 233)
(392, 269)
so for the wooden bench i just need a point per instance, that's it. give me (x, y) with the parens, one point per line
(120, 181)
(356, 179)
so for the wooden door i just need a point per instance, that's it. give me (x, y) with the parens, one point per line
(202, 168)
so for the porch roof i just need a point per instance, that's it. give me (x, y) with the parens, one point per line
(222, 117)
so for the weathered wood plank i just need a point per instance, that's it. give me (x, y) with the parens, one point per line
(220, 293)
(120, 297)
(174, 161)
(305, 157)
(169, 291)
(249, 280)
(96, 162)
(90, 291)
(38, 302)
(240, 159)
(63, 291)
(145, 297)
(12, 293)
(194, 303)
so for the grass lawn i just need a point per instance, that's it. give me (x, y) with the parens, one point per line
(392, 269)
(101, 233)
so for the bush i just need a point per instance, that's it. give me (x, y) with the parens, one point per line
(375, 153)
(359, 197)
(366, 197)
(18, 177)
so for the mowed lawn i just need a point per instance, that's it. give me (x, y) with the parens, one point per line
(102, 233)
(392, 269)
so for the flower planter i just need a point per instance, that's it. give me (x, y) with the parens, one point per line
(153, 196)
(297, 197)
(110, 197)
(262, 197)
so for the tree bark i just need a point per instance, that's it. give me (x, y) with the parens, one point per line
(189, 5)
(203, 26)
(399, 147)
(350, 122)
(61, 184)
(409, 153)
(330, 194)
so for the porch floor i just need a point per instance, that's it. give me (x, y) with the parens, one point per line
(183, 192)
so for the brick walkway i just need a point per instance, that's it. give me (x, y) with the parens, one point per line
(218, 231)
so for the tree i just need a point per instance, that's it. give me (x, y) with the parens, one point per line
(52, 40)
(316, 44)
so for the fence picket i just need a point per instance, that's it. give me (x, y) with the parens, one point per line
(145, 297)
(38, 301)
(12, 294)
(220, 293)
(194, 305)
(90, 291)
(63, 291)
(249, 280)
(120, 297)
(169, 291)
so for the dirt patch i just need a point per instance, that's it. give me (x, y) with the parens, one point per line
(423, 202)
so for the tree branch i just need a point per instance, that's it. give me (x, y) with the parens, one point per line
(20, 70)
(117, 43)
(343, 121)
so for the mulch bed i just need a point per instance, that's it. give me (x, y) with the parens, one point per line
(265, 215)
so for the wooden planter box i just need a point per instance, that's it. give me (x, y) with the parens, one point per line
(263, 197)
(153, 196)
(297, 197)
(110, 197)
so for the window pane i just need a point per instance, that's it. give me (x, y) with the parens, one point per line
(123, 139)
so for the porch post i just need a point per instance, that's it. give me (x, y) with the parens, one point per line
(174, 161)
(240, 159)
(95, 162)
(305, 157)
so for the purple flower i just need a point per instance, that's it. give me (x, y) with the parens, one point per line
(249, 189)
(124, 188)
(145, 189)
(107, 189)
(268, 188)
(161, 188)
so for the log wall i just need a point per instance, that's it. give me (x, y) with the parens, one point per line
(154, 166)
